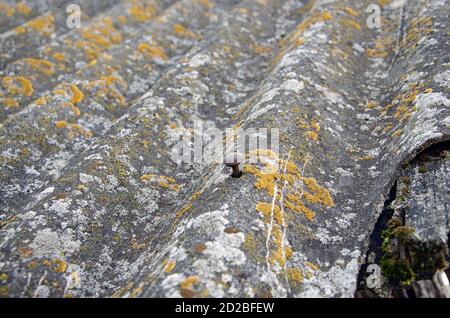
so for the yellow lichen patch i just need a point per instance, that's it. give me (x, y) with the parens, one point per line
(60, 57)
(122, 19)
(313, 127)
(59, 266)
(383, 46)
(351, 12)
(317, 193)
(184, 209)
(205, 3)
(72, 107)
(15, 85)
(81, 187)
(107, 87)
(417, 29)
(155, 52)
(184, 32)
(397, 133)
(365, 158)
(267, 210)
(186, 286)
(61, 124)
(42, 66)
(8, 10)
(44, 25)
(23, 9)
(404, 102)
(351, 23)
(282, 180)
(370, 104)
(384, 2)
(374, 53)
(41, 101)
(161, 181)
(77, 94)
(77, 129)
(295, 276)
(312, 266)
(169, 266)
(98, 38)
(10, 103)
(261, 49)
(142, 13)
(312, 135)
(318, 17)
(3, 277)
(295, 38)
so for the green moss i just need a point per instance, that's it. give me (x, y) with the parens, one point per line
(403, 233)
(394, 269)
(423, 169)
(397, 270)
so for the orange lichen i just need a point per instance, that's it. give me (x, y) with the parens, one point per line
(351, 23)
(23, 9)
(318, 17)
(98, 38)
(184, 209)
(59, 266)
(370, 104)
(24, 86)
(155, 52)
(142, 13)
(161, 181)
(351, 12)
(417, 29)
(44, 25)
(106, 88)
(60, 57)
(41, 101)
(61, 124)
(282, 180)
(186, 286)
(312, 135)
(42, 66)
(261, 49)
(295, 276)
(81, 187)
(295, 38)
(77, 94)
(169, 266)
(182, 31)
(10, 103)
(312, 266)
(397, 133)
(9, 10)
(205, 3)
(80, 130)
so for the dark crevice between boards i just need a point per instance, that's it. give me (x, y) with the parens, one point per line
(406, 257)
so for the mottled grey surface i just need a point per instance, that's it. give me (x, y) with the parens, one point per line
(93, 205)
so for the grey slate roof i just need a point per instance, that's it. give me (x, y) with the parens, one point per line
(91, 203)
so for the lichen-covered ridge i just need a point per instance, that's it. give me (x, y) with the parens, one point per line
(109, 214)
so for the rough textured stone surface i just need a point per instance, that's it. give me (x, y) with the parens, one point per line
(93, 205)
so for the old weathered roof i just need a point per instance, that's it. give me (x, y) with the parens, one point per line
(91, 203)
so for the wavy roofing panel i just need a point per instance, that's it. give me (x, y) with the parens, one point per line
(92, 201)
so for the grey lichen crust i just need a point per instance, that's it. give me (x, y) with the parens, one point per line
(93, 205)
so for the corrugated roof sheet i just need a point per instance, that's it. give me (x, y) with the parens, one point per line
(92, 203)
